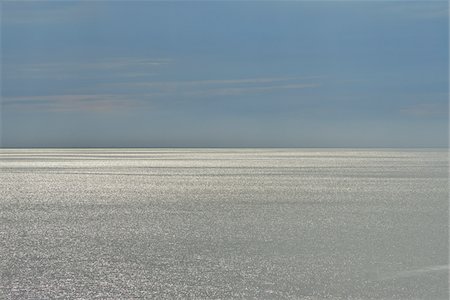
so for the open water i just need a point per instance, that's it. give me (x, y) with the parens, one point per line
(224, 223)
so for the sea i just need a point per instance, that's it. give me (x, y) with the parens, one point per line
(224, 223)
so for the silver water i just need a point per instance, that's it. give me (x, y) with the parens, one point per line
(223, 223)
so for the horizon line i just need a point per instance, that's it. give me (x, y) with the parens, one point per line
(232, 147)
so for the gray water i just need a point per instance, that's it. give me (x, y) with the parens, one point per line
(223, 223)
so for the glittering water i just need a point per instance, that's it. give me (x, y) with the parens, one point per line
(223, 223)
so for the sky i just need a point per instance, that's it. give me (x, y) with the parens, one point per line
(224, 74)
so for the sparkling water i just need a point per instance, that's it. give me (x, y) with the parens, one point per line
(224, 223)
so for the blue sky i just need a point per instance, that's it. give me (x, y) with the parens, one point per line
(225, 74)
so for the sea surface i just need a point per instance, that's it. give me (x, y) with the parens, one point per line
(224, 223)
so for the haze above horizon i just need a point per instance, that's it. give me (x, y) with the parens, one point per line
(224, 74)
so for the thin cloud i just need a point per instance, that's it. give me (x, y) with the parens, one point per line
(118, 102)
(418, 9)
(216, 87)
(250, 90)
(194, 83)
(70, 103)
(425, 110)
(103, 64)
(157, 94)
(26, 12)
(125, 62)
(120, 66)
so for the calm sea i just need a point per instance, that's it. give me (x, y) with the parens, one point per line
(224, 223)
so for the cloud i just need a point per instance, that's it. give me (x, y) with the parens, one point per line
(123, 62)
(218, 87)
(155, 94)
(246, 90)
(418, 9)
(215, 82)
(69, 103)
(425, 110)
(193, 83)
(119, 66)
(109, 102)
(25, 12)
